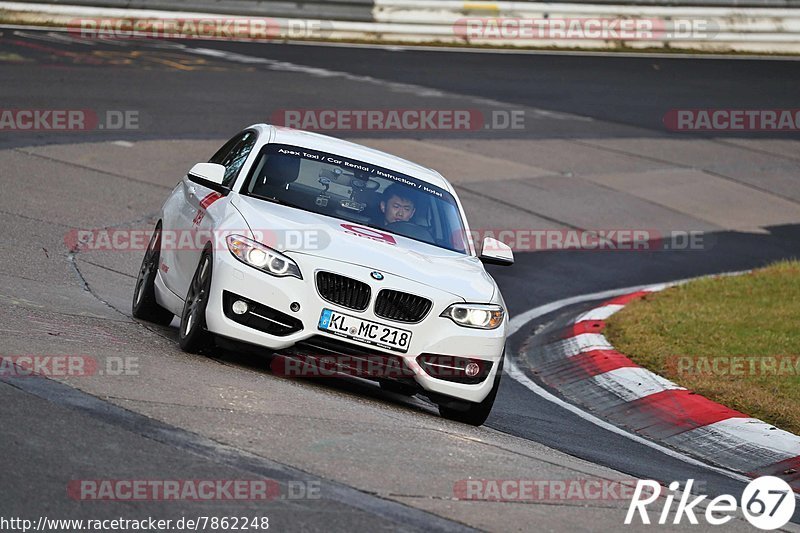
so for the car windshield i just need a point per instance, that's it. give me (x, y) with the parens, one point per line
(359, 192)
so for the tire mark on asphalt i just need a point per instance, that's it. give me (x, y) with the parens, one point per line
(518, 208)
(398, 87)
(647, 201)
(756, 150)
(109, 269)
(224, 454)
(10, 275)
(92, 169)
(690, 167)
(585, 504)
(26, 217)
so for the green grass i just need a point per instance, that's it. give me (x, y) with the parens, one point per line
(712, 320)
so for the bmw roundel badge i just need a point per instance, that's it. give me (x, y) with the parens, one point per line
(376, 275)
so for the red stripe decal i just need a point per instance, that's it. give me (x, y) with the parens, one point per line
(670, 412)
(210, 199)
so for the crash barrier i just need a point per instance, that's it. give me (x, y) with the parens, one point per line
(351, 10)
(596, 25)
(508, 24)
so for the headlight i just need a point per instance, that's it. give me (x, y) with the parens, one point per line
(481, 316)
(261, 257)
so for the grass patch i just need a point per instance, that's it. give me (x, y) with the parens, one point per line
(735, 340)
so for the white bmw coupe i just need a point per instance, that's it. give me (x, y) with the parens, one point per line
(334, 253)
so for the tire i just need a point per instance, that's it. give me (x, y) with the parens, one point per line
(144, 305)
(474, 414)
(192, 335)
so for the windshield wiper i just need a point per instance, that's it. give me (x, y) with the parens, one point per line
(275, 201)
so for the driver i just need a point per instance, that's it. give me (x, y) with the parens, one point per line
(397, 204)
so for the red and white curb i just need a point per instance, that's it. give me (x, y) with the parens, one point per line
(581, 365)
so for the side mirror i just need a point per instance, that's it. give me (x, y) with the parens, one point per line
(210, 172)
(494, 252)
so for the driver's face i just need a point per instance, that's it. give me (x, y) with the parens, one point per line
(397, 210)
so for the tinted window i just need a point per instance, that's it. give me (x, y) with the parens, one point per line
(358, 192)
(219, 157)
(233, 154)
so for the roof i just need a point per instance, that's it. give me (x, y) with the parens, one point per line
(325, 143)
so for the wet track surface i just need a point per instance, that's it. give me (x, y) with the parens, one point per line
(593, 153)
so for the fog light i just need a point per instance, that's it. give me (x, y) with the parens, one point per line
(239, 307)
(472, 369)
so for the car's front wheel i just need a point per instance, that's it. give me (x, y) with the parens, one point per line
(144, 304)
(474, 414)
(192, 335)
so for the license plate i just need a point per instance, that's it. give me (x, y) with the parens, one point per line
(366, 331)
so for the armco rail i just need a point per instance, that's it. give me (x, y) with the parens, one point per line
(573, 358)
(352, 10)
(750, 29)
(726, 28)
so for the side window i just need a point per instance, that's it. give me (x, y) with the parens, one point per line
(233, 154)
(235, 159)
(223, 152)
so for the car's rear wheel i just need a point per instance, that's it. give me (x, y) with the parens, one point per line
(192, 335)
(144, 305)
(474, 414)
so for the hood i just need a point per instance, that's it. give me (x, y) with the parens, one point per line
(299, 232)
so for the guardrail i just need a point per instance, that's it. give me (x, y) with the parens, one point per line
(510, 24)
(351, 10)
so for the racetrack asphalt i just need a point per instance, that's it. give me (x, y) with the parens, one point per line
(593, 155)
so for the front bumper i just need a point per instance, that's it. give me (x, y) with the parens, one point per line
(433, 335)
